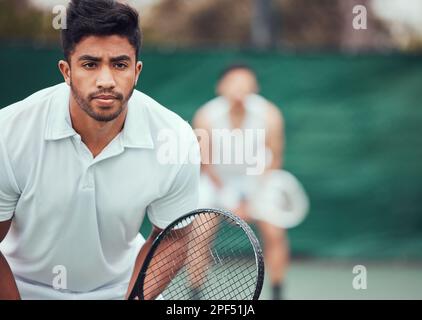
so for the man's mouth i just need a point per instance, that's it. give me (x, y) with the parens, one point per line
(105, 100)
(105, 97)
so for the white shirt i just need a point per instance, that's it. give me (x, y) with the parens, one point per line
(242, 152)
(82, 214)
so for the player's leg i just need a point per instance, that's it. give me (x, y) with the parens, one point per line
(276, 255)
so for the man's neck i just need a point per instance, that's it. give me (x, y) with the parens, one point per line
(237, 114)
(95, 134)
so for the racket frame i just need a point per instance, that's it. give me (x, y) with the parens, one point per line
(259, 259)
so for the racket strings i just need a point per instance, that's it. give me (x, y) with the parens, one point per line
(229, 291)
(220, 261)
(198, 278)
(241, 271)
(174, 233)
(207, 268)
(230, 265)
(217, 287)
(205, 241)
(159, 263)
(239, 267)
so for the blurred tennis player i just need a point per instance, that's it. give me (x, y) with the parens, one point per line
(242, 140)
(81, 163)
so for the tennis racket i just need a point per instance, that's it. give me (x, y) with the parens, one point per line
(208, 254)
(279, 199)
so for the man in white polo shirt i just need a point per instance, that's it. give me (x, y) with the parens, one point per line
(81, 163)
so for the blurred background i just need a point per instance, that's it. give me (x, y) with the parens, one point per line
(351, 99)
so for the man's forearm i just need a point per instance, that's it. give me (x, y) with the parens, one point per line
(174, 254)
(138, 264)
(8, 288)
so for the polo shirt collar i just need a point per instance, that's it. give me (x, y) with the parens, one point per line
(136, 131)
(59, 124)
(135, 134)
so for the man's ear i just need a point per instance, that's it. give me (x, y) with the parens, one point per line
(139, 66)
(64, 68)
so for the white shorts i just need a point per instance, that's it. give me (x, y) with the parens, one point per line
(277, 197)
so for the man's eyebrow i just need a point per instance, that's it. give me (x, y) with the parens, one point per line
(120, 58)
(89, 58)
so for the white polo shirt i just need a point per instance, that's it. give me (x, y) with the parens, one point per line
(76, 218)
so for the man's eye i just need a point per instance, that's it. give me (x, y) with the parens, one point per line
(120, 66)
(90, 65)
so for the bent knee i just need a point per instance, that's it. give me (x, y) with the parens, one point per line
(272, 233)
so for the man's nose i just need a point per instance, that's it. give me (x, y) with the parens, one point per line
(105, 79)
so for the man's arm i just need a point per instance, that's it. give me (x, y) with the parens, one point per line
(8, 288)
(176, 243)
(275, 136)
(141, 258)
(202, 128)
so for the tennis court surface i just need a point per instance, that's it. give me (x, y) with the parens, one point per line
(333, 279)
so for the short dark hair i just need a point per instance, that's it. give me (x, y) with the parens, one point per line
(100, 18)
(236, 66)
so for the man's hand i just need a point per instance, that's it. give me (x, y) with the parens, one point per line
(8, 288)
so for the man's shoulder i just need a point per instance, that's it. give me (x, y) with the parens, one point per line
(159, 116)
(213, 109)
(25, 120)
(30, 106)
(213, 104)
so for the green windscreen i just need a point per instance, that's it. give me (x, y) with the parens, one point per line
(353, 134)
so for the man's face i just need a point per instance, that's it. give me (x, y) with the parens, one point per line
(237, 85)
(102, 74)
